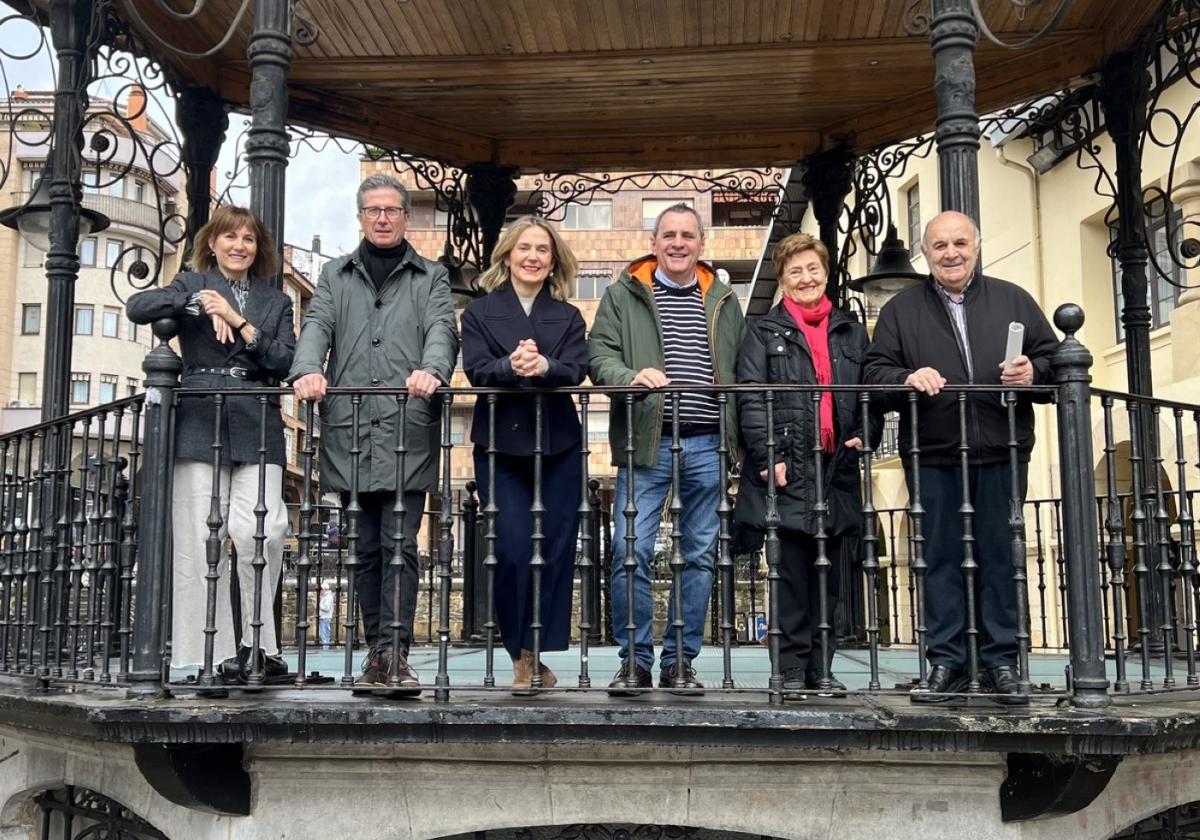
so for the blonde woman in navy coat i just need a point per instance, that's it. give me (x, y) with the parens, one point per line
(524, 334)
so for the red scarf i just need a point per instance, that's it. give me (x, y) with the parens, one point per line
(814, 325)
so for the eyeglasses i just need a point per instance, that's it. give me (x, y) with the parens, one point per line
(373, 213)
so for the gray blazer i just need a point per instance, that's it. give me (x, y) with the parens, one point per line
(267, 308)
(361, 338)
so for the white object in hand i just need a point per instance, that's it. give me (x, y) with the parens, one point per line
(1016, 342)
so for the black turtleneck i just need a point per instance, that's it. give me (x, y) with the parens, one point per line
(381, 262)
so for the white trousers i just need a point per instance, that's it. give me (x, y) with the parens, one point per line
(239, 495)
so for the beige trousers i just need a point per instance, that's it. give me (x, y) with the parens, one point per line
(239, 495)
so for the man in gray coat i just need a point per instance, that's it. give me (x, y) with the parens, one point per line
(383, 317)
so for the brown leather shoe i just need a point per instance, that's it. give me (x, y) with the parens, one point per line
(404, 683)
(522, 684)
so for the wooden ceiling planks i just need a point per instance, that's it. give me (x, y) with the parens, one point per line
(523, 80)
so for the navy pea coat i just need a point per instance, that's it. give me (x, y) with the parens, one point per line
(491, 328)
(268, 309)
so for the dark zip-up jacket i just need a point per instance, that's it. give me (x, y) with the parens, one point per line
(914, 330)
(775, 351)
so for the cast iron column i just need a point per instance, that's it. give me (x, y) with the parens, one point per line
(270, 54)
(70, 22)
(827, 181)
(1071, 364)
(162, 367)
(952, 36)
(203, 120)
(1124, 93)
(491, 189)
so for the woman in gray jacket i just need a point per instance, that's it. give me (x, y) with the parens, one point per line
(235, 331)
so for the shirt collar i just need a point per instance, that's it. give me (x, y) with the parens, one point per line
(671, 284)
(962, 297)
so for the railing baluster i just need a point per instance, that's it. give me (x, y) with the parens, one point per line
(537, 559)
(78, 559)
(772, 550)
(129, 537)
(725, 566)
(491, 561)
(255, 661)
(445, 553)
(629, 565)
(870, 541)
(675, 512)
(96, 525)
(26, 538)
(9, 477)
(399, 537)
(1162, 540)
(821, 538)
(1187, 551)
(916, 512)
(214, 547)
(1060, 571)
(350, 538)
(969, 566)
(308, 544)
(107, 574)
(894, 575)
(43, 592)
(1016, 525)
(1040, 559)
(1115, 547)
(587, 569)
(1141, 567)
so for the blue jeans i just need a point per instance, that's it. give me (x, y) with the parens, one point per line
(323, 627)
(700, 486)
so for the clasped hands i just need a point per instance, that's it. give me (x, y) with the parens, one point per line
(527, 361)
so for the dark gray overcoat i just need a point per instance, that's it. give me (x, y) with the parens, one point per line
(361, 338)
(267, 308)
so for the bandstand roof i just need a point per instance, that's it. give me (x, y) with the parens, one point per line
(569, 84)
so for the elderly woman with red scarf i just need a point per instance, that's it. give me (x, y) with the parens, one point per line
(803, 340)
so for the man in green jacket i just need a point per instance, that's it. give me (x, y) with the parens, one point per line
(667, 321)
(382, 316)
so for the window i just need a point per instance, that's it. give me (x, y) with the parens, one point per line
(87, 251)
(912, 200)
(597, 426)
(289, 445)
(131, 386)
(591, 286)
(31, 318)
(139, 191)
(651, 207)
(112, 252)
(83, 320)
(441, 218)
(108, 387)
(458, 428)
(110, 323)
(33, 256)
(289, 405)
(1161, 294)
(117, 188)
(131, 331)
(594, 216)
(27, 388)
(81, 388)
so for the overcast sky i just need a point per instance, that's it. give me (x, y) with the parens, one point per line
(320, 184)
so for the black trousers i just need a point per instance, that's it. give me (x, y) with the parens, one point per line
(990, 488)
(561, 494)
(799, 604)
(375, 576)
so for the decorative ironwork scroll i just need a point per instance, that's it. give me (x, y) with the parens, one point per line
(75, 813)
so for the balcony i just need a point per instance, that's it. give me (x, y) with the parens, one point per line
(1108, 673)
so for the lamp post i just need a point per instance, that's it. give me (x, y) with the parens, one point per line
(892, 273)
(53, 218)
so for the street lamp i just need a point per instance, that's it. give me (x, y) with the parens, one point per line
(892, 273)
(32, 219)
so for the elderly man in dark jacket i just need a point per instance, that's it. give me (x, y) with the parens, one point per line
(953, 329)
(381, 317)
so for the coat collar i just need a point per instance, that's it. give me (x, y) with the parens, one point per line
(779, 320)
(506, 319)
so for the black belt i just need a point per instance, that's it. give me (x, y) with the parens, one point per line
(235, 372)
(692, 429)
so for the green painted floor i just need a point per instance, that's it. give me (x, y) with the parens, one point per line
(750, 666)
